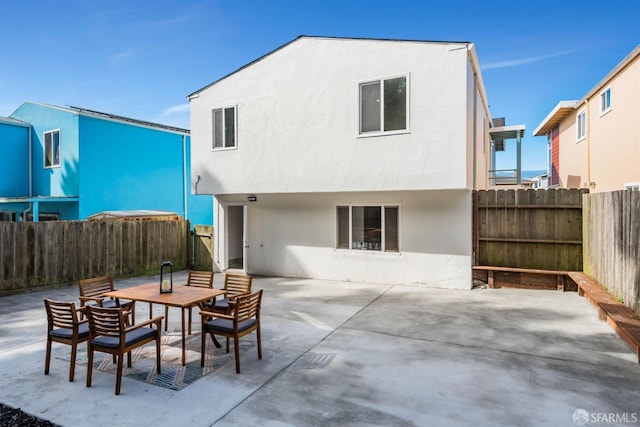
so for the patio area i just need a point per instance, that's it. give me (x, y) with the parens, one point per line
(337, 353)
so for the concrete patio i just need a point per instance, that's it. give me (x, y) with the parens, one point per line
(340, 353)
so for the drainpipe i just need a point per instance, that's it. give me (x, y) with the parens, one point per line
(185, 182)
(26, 211)
(588, 141)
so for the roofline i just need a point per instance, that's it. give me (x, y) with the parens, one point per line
(16, 122)
(611, 74)
(111, 117)
(558, 113)
(197, 92)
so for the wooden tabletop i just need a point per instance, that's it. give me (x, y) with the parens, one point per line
(182, 296)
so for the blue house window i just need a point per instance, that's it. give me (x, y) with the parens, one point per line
(52, 148)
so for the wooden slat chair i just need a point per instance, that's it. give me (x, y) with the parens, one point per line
(64, 326)
(109, 333)
(243, 320)
(234, 284)
(92, 290)
(202, 279)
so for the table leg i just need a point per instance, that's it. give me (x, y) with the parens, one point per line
(183, 338)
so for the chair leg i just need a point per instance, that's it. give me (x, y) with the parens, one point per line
(47, 358)
(119, 374)
(216, 342)
(259, 342)
(72, 364)
(203, 346)
(158, 352)
(237, 352)
(129, 359)
(166, 318)
(89, 365)
(190, 310)
(227, 344)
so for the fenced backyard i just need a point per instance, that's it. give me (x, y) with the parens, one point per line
(36, 254)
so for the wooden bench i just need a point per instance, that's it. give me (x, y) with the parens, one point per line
(529, 278)
(621, 318)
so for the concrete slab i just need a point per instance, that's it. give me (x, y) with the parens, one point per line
(337, 353)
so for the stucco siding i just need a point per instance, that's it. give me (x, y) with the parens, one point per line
(294, 235)
(297, 119)
(14, 161)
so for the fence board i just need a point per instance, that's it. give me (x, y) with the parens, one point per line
(611, 253)
(539, 229)
(35, 254)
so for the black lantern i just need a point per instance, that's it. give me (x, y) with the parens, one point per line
(166, 277)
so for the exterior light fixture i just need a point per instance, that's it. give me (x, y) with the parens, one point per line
(252, 198)
(166, 280)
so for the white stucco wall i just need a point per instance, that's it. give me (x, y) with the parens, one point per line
(297, 115)
(294, 235)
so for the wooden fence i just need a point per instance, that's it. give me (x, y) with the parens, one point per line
(202, 247)
(35, 254)
(611, 243)
(539, 229)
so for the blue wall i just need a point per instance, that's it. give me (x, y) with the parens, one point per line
(14, 161)
(55, 181)
(126, 167)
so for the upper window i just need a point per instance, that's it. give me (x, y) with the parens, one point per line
(224, 127)
(383, 106)
(605, 100)
(370, 228)
(581, 125)
(52, 148)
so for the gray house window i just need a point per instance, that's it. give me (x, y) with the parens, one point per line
(371, 228)
(52, 148)
(224, 127)
(384, 106)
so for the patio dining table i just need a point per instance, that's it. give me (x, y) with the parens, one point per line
(181, 296)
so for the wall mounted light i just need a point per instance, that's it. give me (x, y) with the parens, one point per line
(252, 198)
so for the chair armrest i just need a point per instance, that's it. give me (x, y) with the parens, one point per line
(219, 315)
(157, 320)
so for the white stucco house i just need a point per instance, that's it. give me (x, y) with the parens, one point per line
(347, 159)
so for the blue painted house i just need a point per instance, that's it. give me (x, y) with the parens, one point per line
(71, 163)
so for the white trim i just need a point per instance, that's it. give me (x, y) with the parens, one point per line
(604, 110)
(382, 132)
(382, 207)
(235, 128)
(584, 135)
(632, 186)
(44, 149)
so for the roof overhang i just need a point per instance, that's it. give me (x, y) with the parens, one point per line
(556, 115)
(38, 199)
(500, 133)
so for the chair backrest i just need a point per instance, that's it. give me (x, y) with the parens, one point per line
(95, 287)
(203, 279)
(247, 306)
(236, 284)
(106, 321)
(60, 314)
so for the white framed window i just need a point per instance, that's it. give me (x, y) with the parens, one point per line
(605, 101)
(368, 228)
(52, 148)
(383, 106)
(633, 186)
(224, 127)
(581, 125)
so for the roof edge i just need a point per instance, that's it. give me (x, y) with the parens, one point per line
(195, 94)
(559, 112)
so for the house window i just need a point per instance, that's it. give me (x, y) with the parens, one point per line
(383, 106)
(581, 125)
(633, 186)
(370, 228)
(224, 127)
(605, 101)
(52, 148)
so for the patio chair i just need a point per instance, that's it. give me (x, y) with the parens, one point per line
(234, 284)
(109, 333)
(92, 290)
(64, 326)
(202, 279)
(244, 319)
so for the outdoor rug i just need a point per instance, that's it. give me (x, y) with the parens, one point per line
(174, 376)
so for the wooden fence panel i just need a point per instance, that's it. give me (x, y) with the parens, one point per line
(612, 236)
(202, 251)
(35, 254)
(539, 229)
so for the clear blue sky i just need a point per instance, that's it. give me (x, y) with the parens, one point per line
(141, 58)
